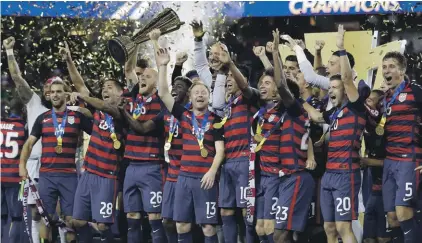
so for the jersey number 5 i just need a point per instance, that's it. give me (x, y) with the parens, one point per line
(9, 143)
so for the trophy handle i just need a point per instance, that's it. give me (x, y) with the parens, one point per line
(121, 48)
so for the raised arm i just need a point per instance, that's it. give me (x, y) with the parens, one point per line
(98, 104)
(153, 36)
(306, 67)
(75, 76)
(24, 91)
(346, 70)
(279, 77)
(162, 59)
(319, 45)
(201, 64)
(313, 113)
(130, 73)
(181, 57)
(259, 51)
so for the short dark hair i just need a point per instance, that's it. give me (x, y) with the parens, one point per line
(16, 105)
(293, 87)
(291, 58)
(184, 79)
(399, 58)
(321, 71)
(349, 55)
(335, 77)
(117, 84)
(142, 63)
(192, 74)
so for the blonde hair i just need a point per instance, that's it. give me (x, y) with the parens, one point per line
(196, 83)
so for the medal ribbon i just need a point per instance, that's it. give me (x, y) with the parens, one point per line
(200, 132)
(387, 106)
(59, 132)
(110, 124)
(260, 113)
(139, 104)
(269, 132)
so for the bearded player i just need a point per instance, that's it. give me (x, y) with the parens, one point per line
(203, 152)
(59, 129)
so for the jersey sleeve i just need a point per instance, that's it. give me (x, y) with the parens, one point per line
(358, 105)
(295, 110)
(159, 123)
(37, 127)
(218, 133)
(86, 123)
(417, 92)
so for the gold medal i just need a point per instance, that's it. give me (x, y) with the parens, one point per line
(58, 149)
(379, 130)
(258, 137)
(116, 144)
(204, 152)
(167, 146)
(258, 147)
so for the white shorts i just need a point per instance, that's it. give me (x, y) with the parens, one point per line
(33, 167)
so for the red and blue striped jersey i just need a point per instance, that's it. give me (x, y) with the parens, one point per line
(64, 163)
(403, 125)
(269, 154)
(146, 147)
(176, 150)
(101, 157)
(345, 137)
(13, 136)
(192, 164)
(293, 142)
(237, 129)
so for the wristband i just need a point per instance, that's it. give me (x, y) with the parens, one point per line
(9, 52)
(342, 52)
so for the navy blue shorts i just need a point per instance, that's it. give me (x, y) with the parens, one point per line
(169, 192)
(267, 197)
(53, 187)
(233, 184)
(95, 198)
(195, 204)
(399, 184)
(295, 194)
(9, 202)
(339, 196)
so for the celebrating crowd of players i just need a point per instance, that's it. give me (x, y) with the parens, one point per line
(212, 128)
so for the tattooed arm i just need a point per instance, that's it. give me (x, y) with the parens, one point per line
(24, 91)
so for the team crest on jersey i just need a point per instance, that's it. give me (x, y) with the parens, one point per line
(271, 118)
(402, 97)
(207, 127)
(71, 119)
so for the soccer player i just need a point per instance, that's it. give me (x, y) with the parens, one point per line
(341, 182)
(97, 188)
(296, 186)
(173, 150)
(374, 226)
(400, 122)
(35, 105)
(237, 115)
(59, 129)
(13, 135)
(203, 151)
(291, 67)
